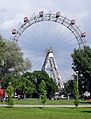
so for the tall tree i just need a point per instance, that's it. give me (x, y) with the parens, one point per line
(13, 58)
(75, 90)
(75, 93)
(2, 48)
(11, 61)
(68, 89)
(10, 92)
(82, 64)
(42, 92)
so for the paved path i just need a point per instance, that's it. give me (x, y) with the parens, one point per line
(69, 106)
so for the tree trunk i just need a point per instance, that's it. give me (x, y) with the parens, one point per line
(24, 96)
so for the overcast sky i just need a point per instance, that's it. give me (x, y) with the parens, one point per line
(12, 13)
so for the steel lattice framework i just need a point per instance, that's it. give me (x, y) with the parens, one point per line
(52, 70)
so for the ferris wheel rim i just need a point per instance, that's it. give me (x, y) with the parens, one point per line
(57, 18)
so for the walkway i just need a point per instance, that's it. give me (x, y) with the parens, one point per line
(69, 106)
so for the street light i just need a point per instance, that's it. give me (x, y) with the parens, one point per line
(77, 82)
(77, 77)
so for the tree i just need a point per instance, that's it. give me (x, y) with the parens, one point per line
(11, 60)
(75, 90)
(10, 77)
(26, 86)
(9, 92)
(36, 77)
(2, 45)
(75, 93)
(68, 89)
(82, 64)
(42, 89)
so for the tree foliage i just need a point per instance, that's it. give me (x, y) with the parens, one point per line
(42, 92)
(75, 93)
(82, 64)
(68, 88)
(75, 90)
(36, 77)
(11, 61)
(13, 58)
(10, 92)
(26, 86)
(2, 45)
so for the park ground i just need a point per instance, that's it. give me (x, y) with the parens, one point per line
(46, 113)
(30, 101)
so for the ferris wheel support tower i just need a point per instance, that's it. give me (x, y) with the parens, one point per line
(51, 68)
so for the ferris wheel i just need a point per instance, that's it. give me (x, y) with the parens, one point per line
(52, 33)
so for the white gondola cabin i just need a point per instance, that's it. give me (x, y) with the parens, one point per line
(14, 31)
(41, 14)
(83, 34)
(73, 21)
(26, 19)
(58, 14)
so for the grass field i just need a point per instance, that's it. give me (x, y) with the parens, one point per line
(47, 113)
(48, 102)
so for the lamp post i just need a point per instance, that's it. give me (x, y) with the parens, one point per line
(0, 83)
(77, 84)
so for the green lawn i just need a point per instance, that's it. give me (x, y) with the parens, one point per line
(47, 113)
(48, 102)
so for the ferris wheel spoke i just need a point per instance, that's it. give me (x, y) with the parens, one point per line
(66, 40)
(52, 32)
(32, 39)
(62, 33)
(68, 45)
(64, 44)
(59, 36)
(37, 62)
(57, 32)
